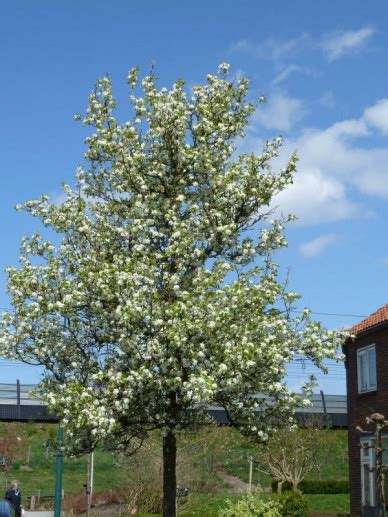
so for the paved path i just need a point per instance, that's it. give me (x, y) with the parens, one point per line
(236, 485)
(38, 514)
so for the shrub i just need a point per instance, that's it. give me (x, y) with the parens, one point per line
(331, 486)
(75, 503)
(16, 465)
(252, 506)
(293, 504)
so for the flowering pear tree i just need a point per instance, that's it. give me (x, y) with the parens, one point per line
(160, 295)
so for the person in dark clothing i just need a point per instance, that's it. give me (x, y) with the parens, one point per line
(14, 496)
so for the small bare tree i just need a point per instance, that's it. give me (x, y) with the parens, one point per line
(377, 424)
(292, 453)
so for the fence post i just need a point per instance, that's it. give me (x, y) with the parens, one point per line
(18, 398)
(324, 407)
(33, 502)
(89, 482)
(250, 474)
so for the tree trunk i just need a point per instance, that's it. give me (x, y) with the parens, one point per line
(280, 486)
(380, 505)
(169, 475)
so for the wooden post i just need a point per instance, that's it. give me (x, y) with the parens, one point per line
(91, 477)
(250, 474)
(33, 502)
(89, 482)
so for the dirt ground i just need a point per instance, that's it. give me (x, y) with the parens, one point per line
(105, 511)
(236, 485)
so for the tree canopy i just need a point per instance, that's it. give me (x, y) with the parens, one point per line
(161, 296)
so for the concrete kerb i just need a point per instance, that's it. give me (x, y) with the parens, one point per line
(38, 514)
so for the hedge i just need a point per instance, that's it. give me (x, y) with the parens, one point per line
(331, 486)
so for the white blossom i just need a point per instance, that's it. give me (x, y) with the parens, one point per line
(162, 296)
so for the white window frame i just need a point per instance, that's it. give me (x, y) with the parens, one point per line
(368, 461)
(367, 458)
(365, 353)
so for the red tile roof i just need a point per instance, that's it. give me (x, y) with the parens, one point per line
(380, 316)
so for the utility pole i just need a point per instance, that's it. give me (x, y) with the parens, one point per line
(378, 423)
(59, 472)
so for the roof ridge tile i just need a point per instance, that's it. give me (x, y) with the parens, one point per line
(377, 317)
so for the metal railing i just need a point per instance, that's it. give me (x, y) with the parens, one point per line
(21, 402)
(19, 394)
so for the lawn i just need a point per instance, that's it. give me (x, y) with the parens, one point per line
(220, 449)
(234, 451)
(38, 475)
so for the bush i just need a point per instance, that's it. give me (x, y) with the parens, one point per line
(331, 486)
(16, 465)
(293, 504)
(74, 504)
(252, 506)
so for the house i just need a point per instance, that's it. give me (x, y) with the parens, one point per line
(367, 393)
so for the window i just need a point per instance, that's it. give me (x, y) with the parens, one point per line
(366, 369)
(368, 475)
(367, 471)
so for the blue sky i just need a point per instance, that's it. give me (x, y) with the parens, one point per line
(322, 67)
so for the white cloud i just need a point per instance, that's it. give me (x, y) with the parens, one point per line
(280, 112)
(377, 115)
(288, 70)
(272, 49)
(341, 43)
(334, 45)
(317, 245)
(327, 100)
(314, 199)
(335, 167)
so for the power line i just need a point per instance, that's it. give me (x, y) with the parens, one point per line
(292, 310)
(341, 315)
(332, 314)
(312, 367)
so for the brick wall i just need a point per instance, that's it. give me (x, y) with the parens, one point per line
(362, 405)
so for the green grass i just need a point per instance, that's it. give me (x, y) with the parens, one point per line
(228, 452)
(329, 503)
(40, 474)
(234, 452)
